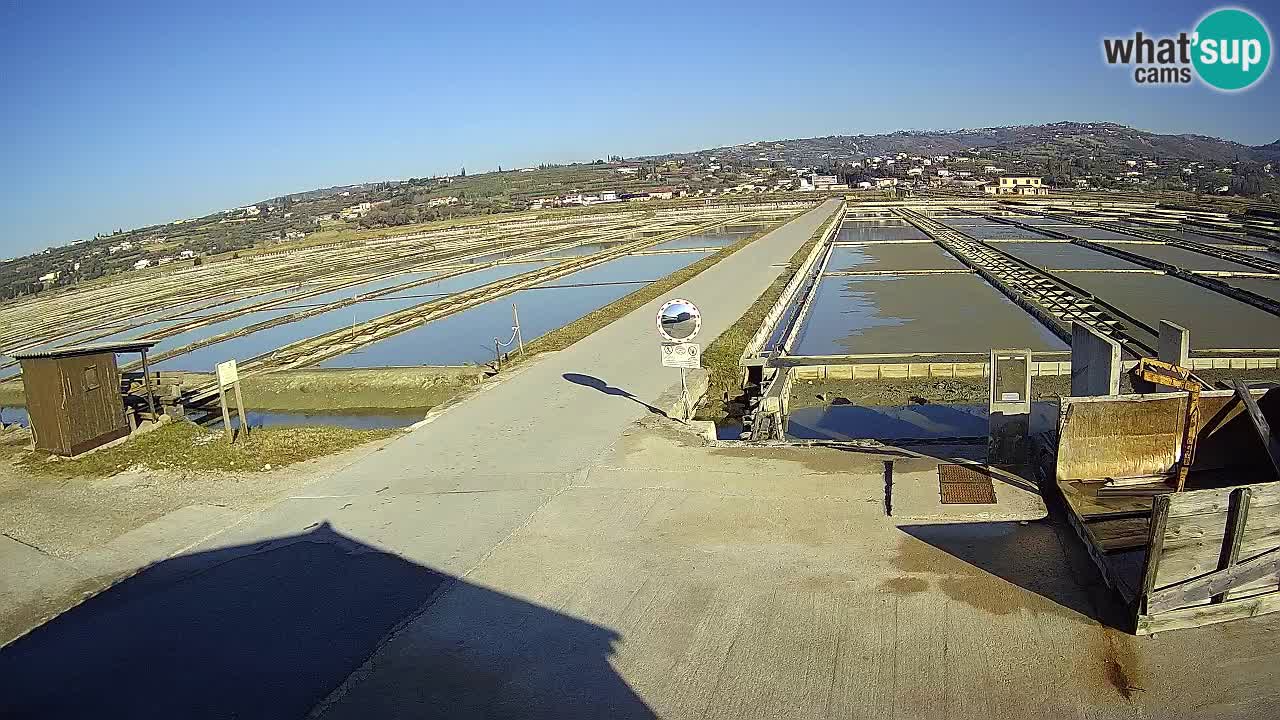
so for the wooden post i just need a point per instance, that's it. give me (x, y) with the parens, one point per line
(1260, 424)
(1155, 546)
(226, 416)
(229, 376)
(515, 316)
(146, 379)
(1190, 434)
(1237, 516)
(244, 419)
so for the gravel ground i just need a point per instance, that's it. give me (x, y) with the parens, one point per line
(66, 517)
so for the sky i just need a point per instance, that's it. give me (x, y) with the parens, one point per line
(120, 114)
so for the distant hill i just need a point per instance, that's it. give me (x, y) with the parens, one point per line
(1062, 138)
(1268, 153)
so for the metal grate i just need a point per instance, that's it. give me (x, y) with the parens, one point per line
(965, 485)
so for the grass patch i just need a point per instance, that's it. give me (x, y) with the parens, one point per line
(186, 446)
(597, 319)
(721, 357)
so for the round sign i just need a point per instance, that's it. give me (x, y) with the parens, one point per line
(679, 320)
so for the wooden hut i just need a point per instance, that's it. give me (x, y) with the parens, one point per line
(74, 399)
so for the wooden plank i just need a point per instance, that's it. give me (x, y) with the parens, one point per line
(1155, 547)
(1218, 500)
(1198, 589)
(1083, 498)
(1145, 514)
(1236, 519)
(1197, 526)
(1260, 424)
(1123, 534)
(1198, 552)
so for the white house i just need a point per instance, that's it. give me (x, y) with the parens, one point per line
(143, 263)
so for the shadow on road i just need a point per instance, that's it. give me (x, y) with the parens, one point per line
(596, 383)
(1042, 557)
(268, 630)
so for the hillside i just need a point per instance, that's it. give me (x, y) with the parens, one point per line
(1062, 138)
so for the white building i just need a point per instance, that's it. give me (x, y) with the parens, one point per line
(143, 263)
(1017, 185)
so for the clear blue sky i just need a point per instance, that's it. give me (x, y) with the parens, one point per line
(122, 114)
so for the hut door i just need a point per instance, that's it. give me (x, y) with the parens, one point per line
(91, 389)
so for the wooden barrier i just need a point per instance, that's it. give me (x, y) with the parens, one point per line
(1178, 559)
(1212, 555)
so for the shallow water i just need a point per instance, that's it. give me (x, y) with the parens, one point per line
(1064, 256)
(891, 256)
(467, 336)
(873, 231)
(918, 422)
(997, 231)
(719, 237)
(262, 341)
(1185, 259)
(915, 313)
(926, 421)
(10, 415)
(1215, 320)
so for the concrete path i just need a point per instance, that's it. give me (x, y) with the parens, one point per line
(407, 522)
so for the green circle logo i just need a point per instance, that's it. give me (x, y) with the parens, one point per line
(1232, 49)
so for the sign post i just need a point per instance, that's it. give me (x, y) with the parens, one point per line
(679, 322)
(229, 377)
